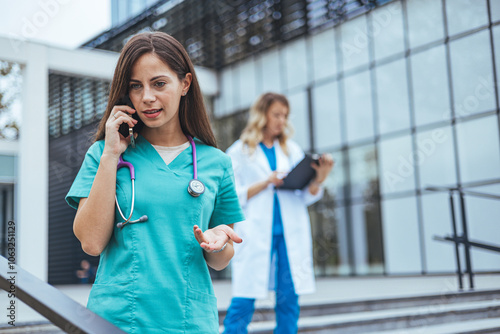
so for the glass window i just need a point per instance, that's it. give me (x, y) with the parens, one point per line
(496, 41)
(226, 98)
(328, 227)
(363, 172)
(247, 81)
(463, 15)
(425, 21)
(430, 86)
(392, 97)
(478, 149)
(387, 30)
(495, 10)
(270, 70)
(483, 227)
(326, 113)
(296, 64)
(336, 181)
(8, 167)
(401, 236)
(7, 212)
(436, 216)
(397, 165)
(135, 7)
(472, 74)
(358, 107)
(367, 238)
(354, 43)
(299, 117)
(435, 158)
(324, 54)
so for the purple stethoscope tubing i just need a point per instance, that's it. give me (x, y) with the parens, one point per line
(195, 187)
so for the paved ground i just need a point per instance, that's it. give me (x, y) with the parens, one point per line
(328, 290)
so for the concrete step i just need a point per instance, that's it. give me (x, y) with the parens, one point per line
(390, 319)
(320, 309)
(481, 326)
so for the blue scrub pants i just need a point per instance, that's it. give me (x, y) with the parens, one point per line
(287, 308)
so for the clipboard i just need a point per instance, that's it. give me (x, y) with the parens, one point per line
(300, 175)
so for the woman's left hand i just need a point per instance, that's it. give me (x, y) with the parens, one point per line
(323, 169)
(215, 238)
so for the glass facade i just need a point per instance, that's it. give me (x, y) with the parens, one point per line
(404, 97)
(403, 94)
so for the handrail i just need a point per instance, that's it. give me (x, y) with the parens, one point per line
(59, 309)
(464, 238)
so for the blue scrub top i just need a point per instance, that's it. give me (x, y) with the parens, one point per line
(277, 221)
(152, 276)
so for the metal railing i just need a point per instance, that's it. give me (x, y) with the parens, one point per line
(464, 237)
(54, 305)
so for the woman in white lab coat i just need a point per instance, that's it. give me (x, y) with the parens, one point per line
(277, 249)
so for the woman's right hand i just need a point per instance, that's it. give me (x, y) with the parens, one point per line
(275, 179)
(256, 188)
(114, 143)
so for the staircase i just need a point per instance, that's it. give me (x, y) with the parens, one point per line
(461, 312)
(381, 305)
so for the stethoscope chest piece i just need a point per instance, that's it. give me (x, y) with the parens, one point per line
(196, 188)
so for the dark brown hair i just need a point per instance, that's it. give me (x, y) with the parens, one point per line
(192, 112)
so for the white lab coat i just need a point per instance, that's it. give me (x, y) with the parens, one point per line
(251, 264)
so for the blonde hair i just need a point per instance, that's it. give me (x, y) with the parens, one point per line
(253, 134)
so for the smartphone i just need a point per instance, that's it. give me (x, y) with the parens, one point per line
(124, 128)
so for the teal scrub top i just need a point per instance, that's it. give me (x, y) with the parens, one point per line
(152, 276)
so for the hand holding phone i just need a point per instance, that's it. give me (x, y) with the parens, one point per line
(124, 129)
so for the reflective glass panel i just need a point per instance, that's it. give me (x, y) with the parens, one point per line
(326, 113)
(336, 182)
(367, 238)
(472, 74)
(425, 21)
(354, 43)
(226, 97)
(463, 15)
(435, 158)
(430, 86)
(478, 149)
(397, 165)
(8, 167)
(296, 64)
(495, 10)
(363, 172)
(270, 71)
(496, 41)
(392, 97)
(436, 216)
(328, 227)
(324, 54)
(387, 30)
(358, 106)
(483, 227)
(299, 118)
(247, 83)
(401, 236)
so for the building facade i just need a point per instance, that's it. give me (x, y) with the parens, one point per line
(402, 93)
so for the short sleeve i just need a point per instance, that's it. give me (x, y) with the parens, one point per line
(85, 178)
(227, 208)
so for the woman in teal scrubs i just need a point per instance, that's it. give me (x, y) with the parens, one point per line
(153, 275)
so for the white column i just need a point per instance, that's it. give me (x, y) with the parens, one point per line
(32, 200)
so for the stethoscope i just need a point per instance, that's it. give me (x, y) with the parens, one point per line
(195, 187)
